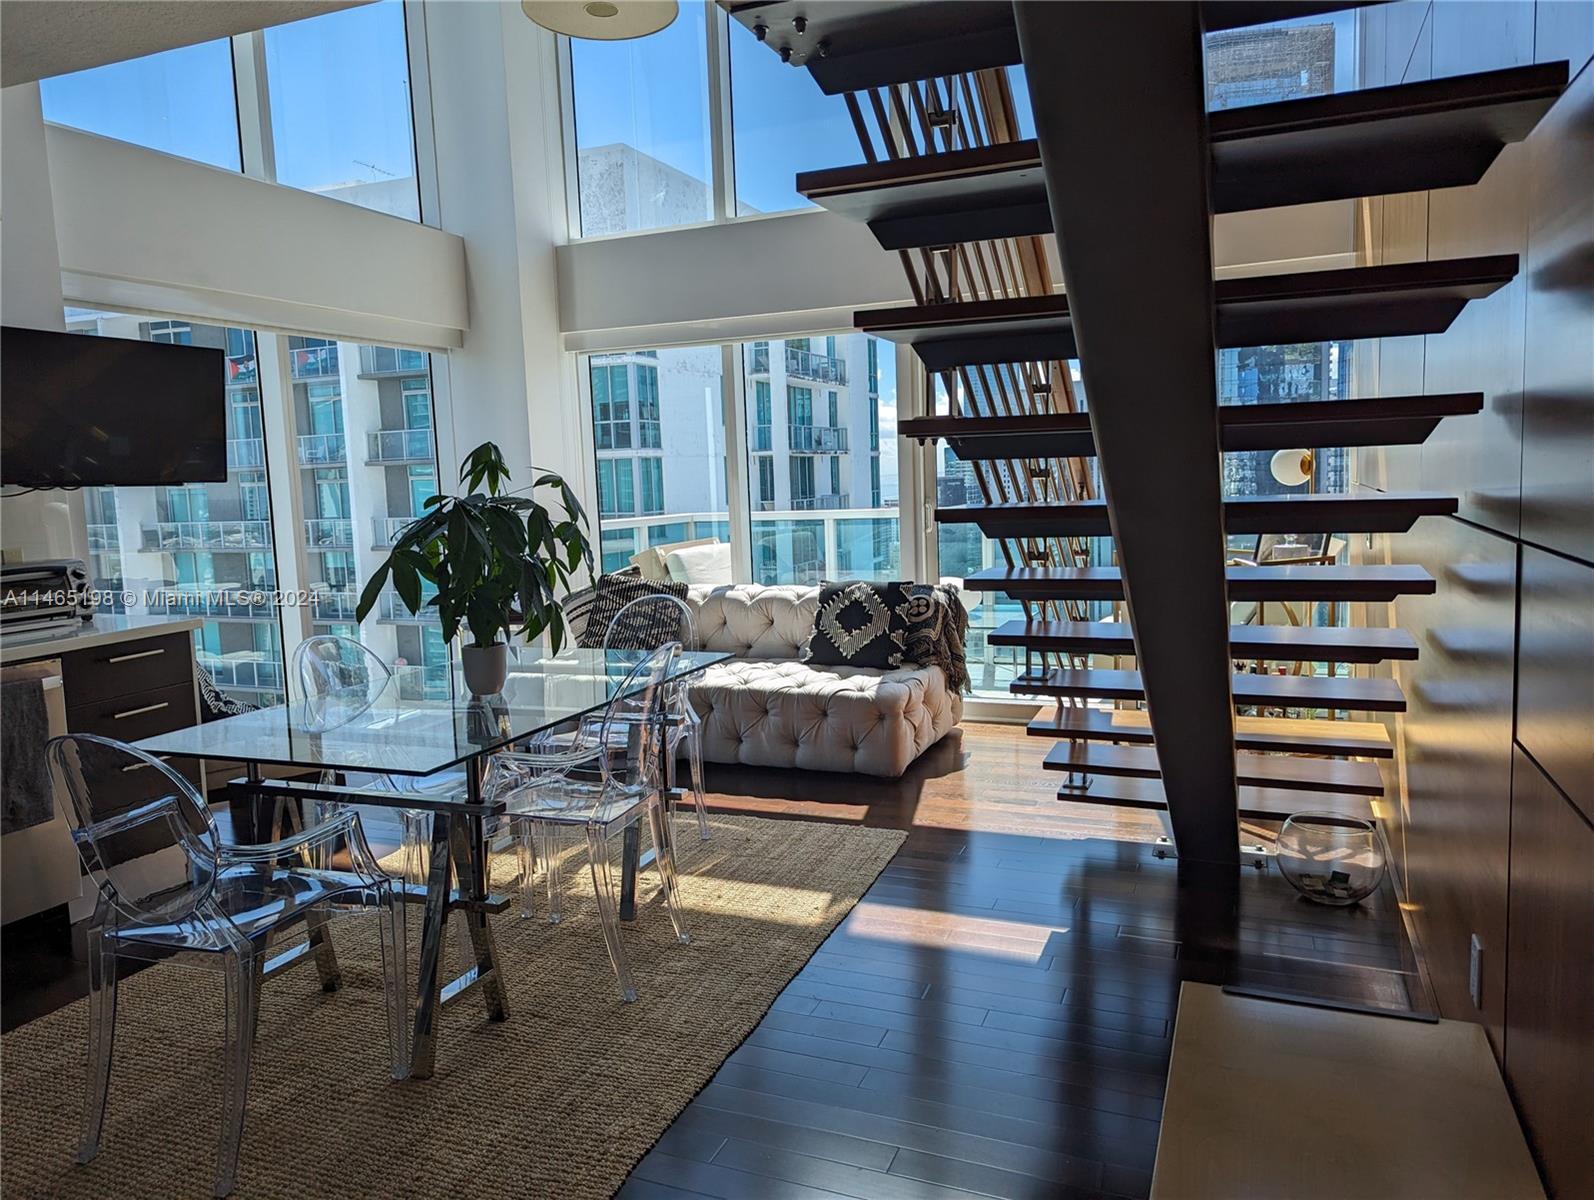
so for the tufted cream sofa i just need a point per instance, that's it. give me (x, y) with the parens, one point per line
(765, 708)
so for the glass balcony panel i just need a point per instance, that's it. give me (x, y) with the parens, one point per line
(322, 449)
(398, 445)
(245, 454)
(817, 439)
(322, 533)
(206, 535)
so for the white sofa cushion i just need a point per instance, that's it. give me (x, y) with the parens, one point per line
(753, 620)
(774, 713)
(708, 564)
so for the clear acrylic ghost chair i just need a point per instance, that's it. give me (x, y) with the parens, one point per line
(606, 778)
(647, 623)
(340, 679)
(232, 901)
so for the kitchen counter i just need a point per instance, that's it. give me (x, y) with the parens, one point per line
(104, 630)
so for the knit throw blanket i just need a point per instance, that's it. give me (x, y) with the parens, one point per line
(937, 627)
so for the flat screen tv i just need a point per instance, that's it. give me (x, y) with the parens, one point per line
(78, 410)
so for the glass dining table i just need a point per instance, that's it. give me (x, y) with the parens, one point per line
(404, 738)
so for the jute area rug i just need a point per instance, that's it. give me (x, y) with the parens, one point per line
(559, 1101)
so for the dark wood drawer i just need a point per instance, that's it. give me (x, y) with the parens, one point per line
(129, 718)
(127, 668)
(118, 789)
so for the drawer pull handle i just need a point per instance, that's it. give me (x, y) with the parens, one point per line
(140, 654)
(138, 712)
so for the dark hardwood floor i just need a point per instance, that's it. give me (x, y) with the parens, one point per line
(993, 1019)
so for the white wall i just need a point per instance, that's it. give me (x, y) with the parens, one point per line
(142, 230)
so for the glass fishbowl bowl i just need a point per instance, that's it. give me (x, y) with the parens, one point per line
(1330, 859)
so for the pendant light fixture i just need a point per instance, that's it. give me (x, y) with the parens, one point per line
(602, 20)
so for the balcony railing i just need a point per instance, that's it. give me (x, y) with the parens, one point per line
(385, 529)
(206, 535)
(803, 364)
(391, 608)
(245, 454)
(385, 360)
(243, 674)
(811, 503)
(398, 446)
(763, 437)
(103, 537)
(313, 362)
(333, 606)
(821, 368)
(322, 449)
(817, 439)
(234, 604)
(328, 533)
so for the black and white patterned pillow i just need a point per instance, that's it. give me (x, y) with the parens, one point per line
(647, 627)
(857, 625)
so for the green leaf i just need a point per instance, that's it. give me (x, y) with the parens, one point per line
(373, 589)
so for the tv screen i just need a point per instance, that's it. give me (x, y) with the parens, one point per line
(78, 410)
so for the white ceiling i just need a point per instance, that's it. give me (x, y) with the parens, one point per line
(41, 38)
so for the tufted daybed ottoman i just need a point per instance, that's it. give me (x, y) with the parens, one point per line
(765, 708)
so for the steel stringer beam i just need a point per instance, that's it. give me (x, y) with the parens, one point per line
(1120, 114)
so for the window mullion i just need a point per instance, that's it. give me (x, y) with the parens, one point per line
(737, 505)
(254, 105)
(719, 111)
(424, 134)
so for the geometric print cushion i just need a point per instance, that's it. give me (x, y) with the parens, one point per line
(646, 627)
(858, 625)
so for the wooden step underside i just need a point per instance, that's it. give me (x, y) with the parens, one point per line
(1375, 584)
(1388, 421)
(1251, 770)
(1253, 803)
(1380, 512)
(873, 43)
(1272, 691)
(1285, 735)
(1397, 300)
(1277, 643)
(1407, 137)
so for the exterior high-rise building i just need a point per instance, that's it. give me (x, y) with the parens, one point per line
(365, 462)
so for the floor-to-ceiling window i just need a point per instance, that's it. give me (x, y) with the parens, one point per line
(202, 550)
(658, 431)
(366, 462)
(822, 504)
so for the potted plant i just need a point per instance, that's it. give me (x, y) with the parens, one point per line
(490, 555)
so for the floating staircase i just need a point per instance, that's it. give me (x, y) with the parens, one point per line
(1413, 136)
(948, 184)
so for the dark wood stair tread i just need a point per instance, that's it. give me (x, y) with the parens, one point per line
(1282, 691)
(1380, 512)
(1294, 735)
(1376, 583)
(1254, 803)
(875, 43)
(1254, 770)
(1379, 421)
(1396, 300)
(1407, 137)
(1279, 643)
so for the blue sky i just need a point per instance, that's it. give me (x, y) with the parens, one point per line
(340, 103)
